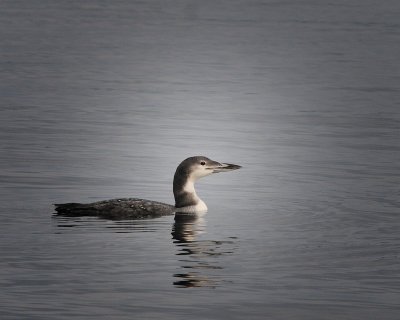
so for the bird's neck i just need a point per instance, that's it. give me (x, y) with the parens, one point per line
(186, 198)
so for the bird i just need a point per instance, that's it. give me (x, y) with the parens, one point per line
(186, 199)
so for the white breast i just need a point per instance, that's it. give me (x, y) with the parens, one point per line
(200, 207)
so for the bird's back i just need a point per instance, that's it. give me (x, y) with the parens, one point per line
(123, 208)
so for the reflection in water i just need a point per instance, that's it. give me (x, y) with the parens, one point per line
(187, 227)
(64, 224)
(196, 255)
(199, 260)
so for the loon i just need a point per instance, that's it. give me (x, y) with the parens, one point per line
(186, 199)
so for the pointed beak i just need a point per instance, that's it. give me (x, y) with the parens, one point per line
(224, 167)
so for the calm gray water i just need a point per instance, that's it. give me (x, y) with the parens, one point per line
(102, 99)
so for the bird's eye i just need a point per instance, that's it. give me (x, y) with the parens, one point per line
(203, 163)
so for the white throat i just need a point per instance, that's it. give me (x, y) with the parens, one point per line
(199, 206)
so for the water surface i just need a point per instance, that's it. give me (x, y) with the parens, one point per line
(102, 100)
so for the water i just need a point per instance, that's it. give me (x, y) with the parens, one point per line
(103, 99)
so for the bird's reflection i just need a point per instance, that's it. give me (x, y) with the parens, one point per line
(197, 257)
(68, 224)
(187, 227)
(200, 259)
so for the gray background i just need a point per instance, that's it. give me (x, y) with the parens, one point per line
(102, 99)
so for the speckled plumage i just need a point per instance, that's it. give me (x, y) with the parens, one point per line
(124, 208)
